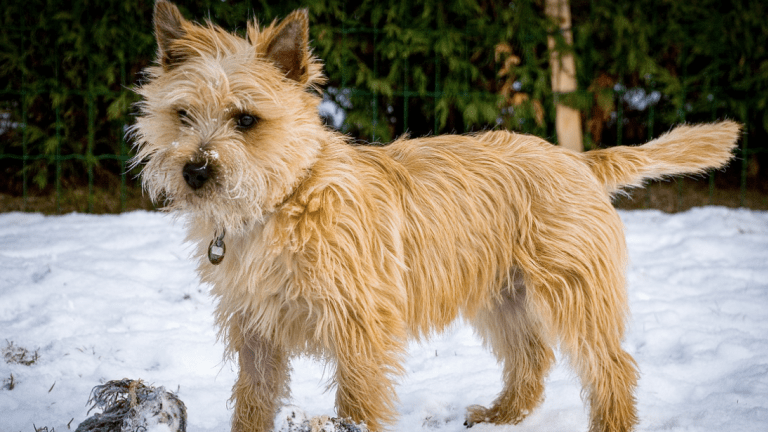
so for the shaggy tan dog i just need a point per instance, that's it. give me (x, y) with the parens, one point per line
(316, 246)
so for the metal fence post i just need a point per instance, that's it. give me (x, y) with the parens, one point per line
(375, 96)
(744, 158)
(437, 89)
(23, 117)
(651, 118)
(405, 95)
(620, 114)
(89, 158)
(123, 151)
(58, 140)
(681, 115)
(713, 111)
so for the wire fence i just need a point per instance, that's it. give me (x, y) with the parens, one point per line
(32, 150)
(29, 163)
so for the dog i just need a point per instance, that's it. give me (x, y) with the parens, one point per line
(344, 252)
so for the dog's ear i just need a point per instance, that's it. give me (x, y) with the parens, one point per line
(169, 26)
(288, 46)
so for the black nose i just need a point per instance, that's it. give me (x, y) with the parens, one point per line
(196, 174)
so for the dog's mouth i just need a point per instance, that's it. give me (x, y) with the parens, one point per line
(220, 191)
(200, 172)
(202, 178)
(197, 174)
(204, 194)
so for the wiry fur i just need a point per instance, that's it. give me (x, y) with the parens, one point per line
(344, 252)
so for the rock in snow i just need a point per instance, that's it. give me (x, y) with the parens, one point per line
(130, 406)
(293, 419)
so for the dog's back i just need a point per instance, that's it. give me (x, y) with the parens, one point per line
(478, 207)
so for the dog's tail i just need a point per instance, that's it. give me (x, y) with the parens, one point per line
(685, 150)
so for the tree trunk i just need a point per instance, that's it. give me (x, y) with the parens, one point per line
(568, 120)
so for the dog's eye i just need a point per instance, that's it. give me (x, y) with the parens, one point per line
(182, 114)
(246, 121)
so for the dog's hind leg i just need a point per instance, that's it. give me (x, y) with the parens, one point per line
(609, 376)
(517, 340)
(261, 385)
(611, 398)
(590, 330)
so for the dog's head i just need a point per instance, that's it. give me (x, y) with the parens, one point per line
(228, 126)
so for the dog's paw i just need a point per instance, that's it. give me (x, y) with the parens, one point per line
(476, 414)
(293, 419)
(496, 415)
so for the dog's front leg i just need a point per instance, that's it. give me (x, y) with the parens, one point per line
(261, 385)
(366, 362)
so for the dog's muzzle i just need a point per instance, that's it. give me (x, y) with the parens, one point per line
(196, 174)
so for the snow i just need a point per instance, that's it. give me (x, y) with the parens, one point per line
(100, 298)
(332, 113)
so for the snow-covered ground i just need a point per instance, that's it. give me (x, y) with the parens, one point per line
(99, 298)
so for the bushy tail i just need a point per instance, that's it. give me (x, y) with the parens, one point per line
(685, 150)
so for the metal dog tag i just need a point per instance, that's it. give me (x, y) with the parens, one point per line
(216, 249)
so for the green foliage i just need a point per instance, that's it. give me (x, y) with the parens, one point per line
(433, 60)
(66, 73)
(66, 70)
(707, 58)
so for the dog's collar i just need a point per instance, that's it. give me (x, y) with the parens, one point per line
(217, 248)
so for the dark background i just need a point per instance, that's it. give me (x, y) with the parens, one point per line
(67, 69)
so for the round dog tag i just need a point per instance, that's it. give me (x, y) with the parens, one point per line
(216, 250)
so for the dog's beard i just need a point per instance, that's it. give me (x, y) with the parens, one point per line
(232, 199)
(252, 173)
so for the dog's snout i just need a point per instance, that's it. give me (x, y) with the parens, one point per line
(196, 174)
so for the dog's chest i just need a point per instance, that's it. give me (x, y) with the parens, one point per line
(253, 269)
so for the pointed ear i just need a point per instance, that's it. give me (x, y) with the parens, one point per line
(288, 47)
(169, 26)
